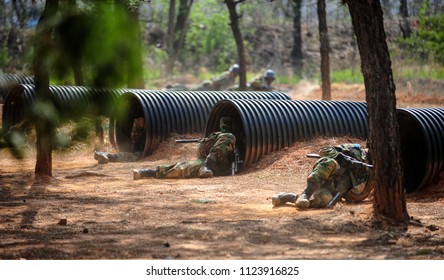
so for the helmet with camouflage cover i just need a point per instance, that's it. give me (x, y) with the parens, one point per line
(226, 124)
(328, 151)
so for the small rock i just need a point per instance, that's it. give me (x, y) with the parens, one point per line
(62, 222)
(85, 230)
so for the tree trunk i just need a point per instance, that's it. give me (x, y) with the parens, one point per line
(325, 49)
(234, 23)
(389, 199)
(170, 38)
(296, 52)
(135, 75)
(181, 26)
(404, 24)
(44, 128)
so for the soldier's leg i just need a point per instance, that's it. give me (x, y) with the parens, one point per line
(188, 169)
(321, 198)
(321, 173)
(124, 157)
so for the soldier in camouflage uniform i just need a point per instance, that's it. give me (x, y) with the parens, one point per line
(137, 146)
(263, 83)
(215, 155)
(331, 174)
(226, 80)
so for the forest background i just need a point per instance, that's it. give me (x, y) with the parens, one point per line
(415, 36)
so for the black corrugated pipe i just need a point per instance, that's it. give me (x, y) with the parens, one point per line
(265, 126)
(8, 81)
(422, 145)
(72, 102)
(167, 112)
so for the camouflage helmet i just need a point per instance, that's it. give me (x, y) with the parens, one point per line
(270, 74)
(328, 151)
(234, 69)
(226, 124)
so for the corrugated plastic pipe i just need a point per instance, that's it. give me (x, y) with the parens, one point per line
(167, 112)
(71, 101)
(422, 146)
(265, 126)
(8, 81)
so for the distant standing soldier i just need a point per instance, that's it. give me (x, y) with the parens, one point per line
(263, 83)
(215, 155)
(331, 174)
(226, 80)
(137, 146)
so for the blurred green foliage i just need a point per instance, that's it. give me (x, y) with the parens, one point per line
(428, 43)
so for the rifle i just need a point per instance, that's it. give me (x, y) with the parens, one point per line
(193, 140)
(348, 158)
(236, 163)
(338, 196)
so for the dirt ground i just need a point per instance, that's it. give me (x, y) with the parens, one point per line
(92, 211)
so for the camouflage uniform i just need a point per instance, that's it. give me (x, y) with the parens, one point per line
(226, 80)
(176, 87)
(137, 146)
(332, 174)
(263, 83)
(205, 86)
(215, 155)
(218, 144)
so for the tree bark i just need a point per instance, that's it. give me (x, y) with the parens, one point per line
(324, 49)
(181, 26)
(296, 52)
(234, 23)
(44, 128)
(384, 144)
(170, 37)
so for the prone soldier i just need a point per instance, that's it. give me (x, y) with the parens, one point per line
(215, 156)
(340, 169)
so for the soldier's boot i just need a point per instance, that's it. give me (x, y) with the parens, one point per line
(144, 173)
(101, 157)
(282, 198)
(205, 171)
(303, 201)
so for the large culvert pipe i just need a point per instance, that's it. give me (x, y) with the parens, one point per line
(265, 126)
(167, 112)
(72, 102)
(8, 81)
(422, 145)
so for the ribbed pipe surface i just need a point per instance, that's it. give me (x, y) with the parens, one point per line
(8, 81)
(265, 126)
(72, 102)
(168, 112)
(422, 145)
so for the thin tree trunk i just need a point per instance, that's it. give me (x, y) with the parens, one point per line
(170, 38)
(234, 23)
(389, 199)
(296, 52)
(44, 129)
(404, 24)
(325, 49)
(181, 26)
